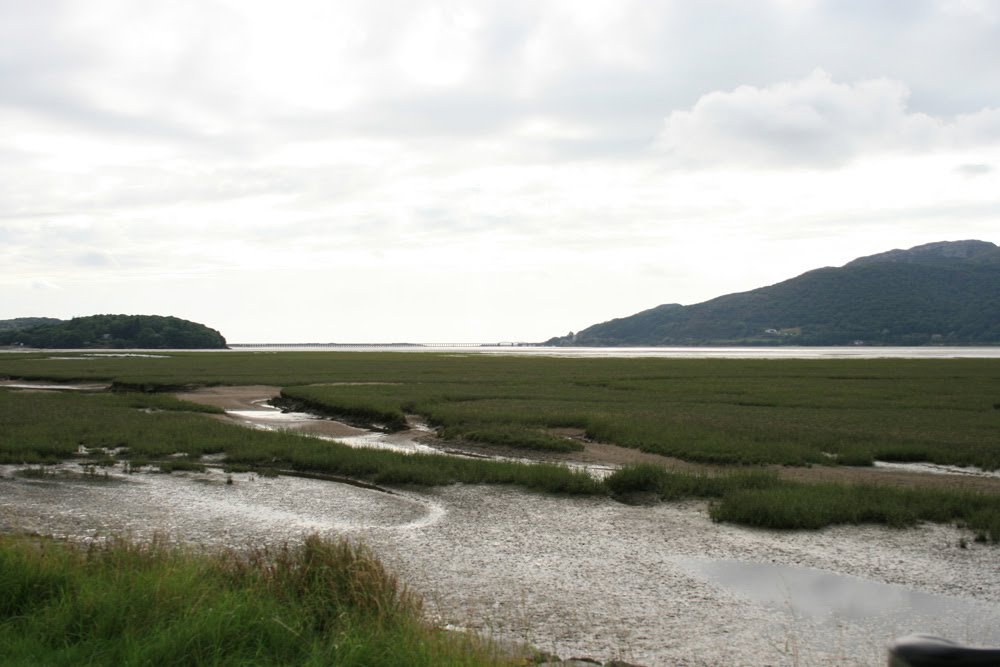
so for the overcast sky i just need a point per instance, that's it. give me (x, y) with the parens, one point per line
(337, 171)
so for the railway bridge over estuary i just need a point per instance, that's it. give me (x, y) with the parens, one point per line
(374, 346)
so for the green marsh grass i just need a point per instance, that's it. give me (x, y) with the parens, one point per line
(320, 603)
(669, 485)
(40, 428)
(762, 500)
(808, 506)
(742, 413)
(367, 412)
(513, 437)
(169, 403)
(181, 465)
(719, 411)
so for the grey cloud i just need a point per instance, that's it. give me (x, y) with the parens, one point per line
(77, 112)
(972, 170)
(937, 218)
(47, 64)
(686, 49)
(450, 113)
(973, 129)
(93, 259)
(107, 189)
(693, 49)
(56, 255)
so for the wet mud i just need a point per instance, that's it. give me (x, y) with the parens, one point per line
(32, 385)
(571, 576)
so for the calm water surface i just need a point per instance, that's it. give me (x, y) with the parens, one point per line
(849, 352)
(858, 352)
(835, 599)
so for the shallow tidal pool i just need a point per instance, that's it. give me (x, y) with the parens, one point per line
(658, 585)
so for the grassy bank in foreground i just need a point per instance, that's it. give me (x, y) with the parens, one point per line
(720, 411)
(320, 603)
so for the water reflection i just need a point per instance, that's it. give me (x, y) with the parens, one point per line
(834, 599)
(411, 441)
(788, 352)
(267, 417)
(937, 469)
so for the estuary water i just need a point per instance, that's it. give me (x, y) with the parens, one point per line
(786, 352)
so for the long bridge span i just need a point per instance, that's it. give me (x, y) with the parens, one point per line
(373, 346)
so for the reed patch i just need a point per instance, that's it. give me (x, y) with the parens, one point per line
(122, 603)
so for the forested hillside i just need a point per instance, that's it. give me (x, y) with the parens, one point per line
(117, 331)
(26, 323)
(941, 293)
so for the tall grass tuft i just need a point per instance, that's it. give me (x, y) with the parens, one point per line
(668, 485)
(761, 499)
(515, 438)
(789, 505)
(379, 414)
(323, 602)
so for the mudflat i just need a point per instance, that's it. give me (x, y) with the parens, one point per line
(250, 399)
(574, 576)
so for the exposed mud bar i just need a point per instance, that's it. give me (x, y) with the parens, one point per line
(340, 479)
(36, 385)
(250, 404)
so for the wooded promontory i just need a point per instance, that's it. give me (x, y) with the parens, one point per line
(112, 331)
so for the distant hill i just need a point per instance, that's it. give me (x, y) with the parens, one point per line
(115, 331)
(26, 323)
(945, 293)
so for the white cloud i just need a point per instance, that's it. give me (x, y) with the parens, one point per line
(814, 122)
(974, 129)
(980, 10)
